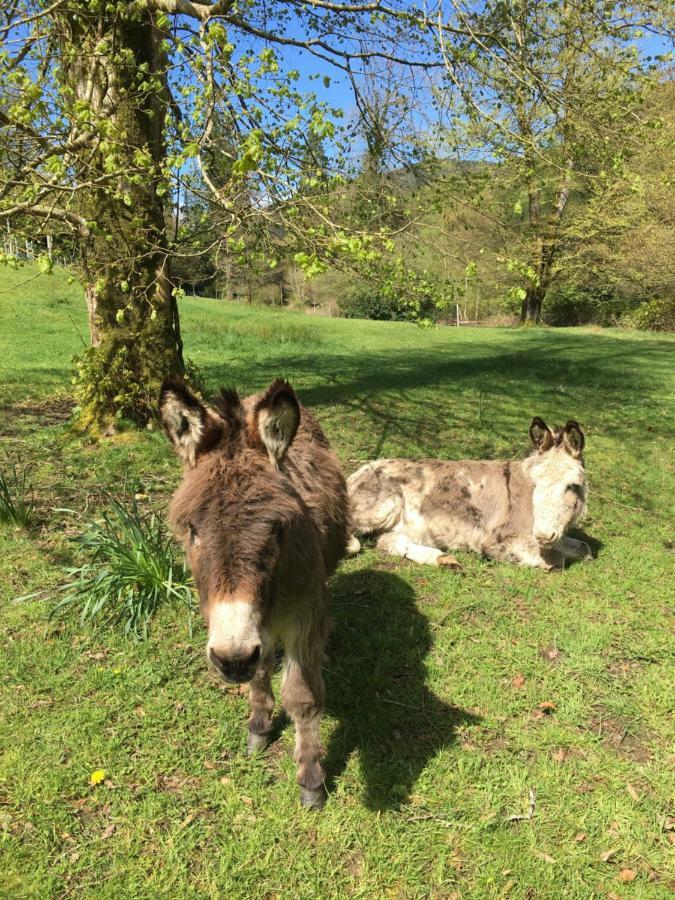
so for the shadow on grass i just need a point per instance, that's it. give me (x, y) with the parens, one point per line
(376, 688)
(535, 371)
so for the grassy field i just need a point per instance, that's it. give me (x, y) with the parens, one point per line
(450, 697)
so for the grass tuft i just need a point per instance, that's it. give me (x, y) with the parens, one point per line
(131, 568)
(16, 495)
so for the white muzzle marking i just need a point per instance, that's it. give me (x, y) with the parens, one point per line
(234, 630)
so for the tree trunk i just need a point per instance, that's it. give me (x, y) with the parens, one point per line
(546, 248)
(530, 311)
(133, 315)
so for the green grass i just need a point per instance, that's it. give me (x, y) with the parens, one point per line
(434, 732)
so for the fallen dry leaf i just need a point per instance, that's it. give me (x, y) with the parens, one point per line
(633, 793)
(608, 854)
(47, 701)
(580, 838)
(546, 857)
(547, 706)
(627, 875)
(225, 780)
(109, 831)
(584, 788)
(560, 755)
(518, 681)
(186, 821)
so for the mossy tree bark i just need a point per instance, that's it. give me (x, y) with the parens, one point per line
(117, 71)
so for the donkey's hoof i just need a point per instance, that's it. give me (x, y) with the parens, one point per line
(257, 742)
(353, 545)
(449, 562)
(312, 799)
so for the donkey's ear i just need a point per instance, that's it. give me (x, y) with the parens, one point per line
(187, 422)
(573, 438)
(277, 416)
(540, 434)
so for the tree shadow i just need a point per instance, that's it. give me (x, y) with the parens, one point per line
(376, 688)
(528, 373)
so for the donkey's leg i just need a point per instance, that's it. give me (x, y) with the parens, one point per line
(573, 549)
(399, 545)
(261, 703)
(302, 694)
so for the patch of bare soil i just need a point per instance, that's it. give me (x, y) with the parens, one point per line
(623, 668)
(54, 411)
(618, 736)
(177, 783)
(552, 655)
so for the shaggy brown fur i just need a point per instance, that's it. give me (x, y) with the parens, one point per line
(262, 513)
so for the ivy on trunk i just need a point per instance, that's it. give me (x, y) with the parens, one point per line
(133, 319)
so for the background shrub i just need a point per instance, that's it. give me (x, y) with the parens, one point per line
(367, 302)
(655, 315)
(572, 305)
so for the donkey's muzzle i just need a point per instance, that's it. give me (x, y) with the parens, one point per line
(236, 670)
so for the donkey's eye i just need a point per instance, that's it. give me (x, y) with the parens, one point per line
(192, 535)
(576, 489)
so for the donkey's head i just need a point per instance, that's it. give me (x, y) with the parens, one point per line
(235, 512)
(556, 467)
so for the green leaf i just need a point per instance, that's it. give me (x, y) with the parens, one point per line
(46, 265)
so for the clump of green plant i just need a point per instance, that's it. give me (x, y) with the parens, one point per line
(16, 495)
(130, 568)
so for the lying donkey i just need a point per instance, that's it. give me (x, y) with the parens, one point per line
(262, 513)
(515, 511)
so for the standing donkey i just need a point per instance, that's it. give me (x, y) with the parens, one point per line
(262, 514)
(514, 511)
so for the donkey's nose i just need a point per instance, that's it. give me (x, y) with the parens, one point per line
(238, 669)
